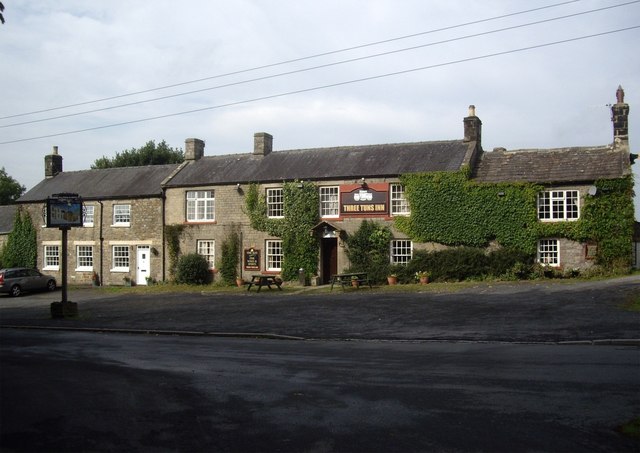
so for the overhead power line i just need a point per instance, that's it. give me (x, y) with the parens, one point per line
(297, 71)
(295, 60)
(332, 85)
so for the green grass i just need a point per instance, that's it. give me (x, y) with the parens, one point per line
(631, 428)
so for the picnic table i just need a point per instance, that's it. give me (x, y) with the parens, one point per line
(346, 279)
(261, 280)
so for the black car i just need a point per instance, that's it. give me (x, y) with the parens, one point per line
(16, 280)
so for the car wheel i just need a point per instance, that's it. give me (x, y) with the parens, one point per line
(51, 285)
(16, 290)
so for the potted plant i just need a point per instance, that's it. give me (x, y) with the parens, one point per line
(422, 277)
(239, 281)
(95, 279)
(354, 281)
(127, 280)
(392, 279)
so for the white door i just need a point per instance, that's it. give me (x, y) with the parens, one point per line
(143, 264)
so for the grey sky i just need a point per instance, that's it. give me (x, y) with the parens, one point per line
(57, 53)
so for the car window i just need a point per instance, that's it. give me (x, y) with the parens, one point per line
(32, 273)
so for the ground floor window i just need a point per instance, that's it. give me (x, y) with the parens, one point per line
(52, 257)
(207, 249)
(401, 251)
(121, 258)
(274, 255)
(549, 252)
(84, 258)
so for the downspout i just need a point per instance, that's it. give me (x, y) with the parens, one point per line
(164, 258)
(101, 245)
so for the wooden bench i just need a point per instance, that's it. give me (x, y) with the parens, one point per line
(347, 279)
(260, 280)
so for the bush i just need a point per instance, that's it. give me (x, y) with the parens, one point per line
(503, 262)
(192, 269)
(229, 261)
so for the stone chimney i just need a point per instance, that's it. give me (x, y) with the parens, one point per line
(262, 143)
(472, 127)
(193, 149)
(52, 163)
(620, 119)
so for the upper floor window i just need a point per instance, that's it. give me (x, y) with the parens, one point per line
(207, 248)
(401, 251)
(200, 206)
(329, 204)
(88, 216)
(549, 252)
(558, 205)
(121, 214)
(399, 204)
(51, 257)
(275, 203)
(274, 255)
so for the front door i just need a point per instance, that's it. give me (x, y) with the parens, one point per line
(329, 258)
(143, 265)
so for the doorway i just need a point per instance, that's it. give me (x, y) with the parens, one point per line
(143, 264)
(329, 257)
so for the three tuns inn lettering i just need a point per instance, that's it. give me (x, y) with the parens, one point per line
(364, 201)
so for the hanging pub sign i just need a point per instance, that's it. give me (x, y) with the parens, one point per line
(251, 259)
(364, 200)
(64, 210)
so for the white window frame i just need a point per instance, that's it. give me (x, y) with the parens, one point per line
(274, 256)
(399, 204)
(275, 203)
(559, 205)
(549, 252)
(88, 218)
(84, 255)
(121, 215)
(201, 206)
(51, 257)
(121, 258)
(329, 202)
(207, 248)
(401, 251)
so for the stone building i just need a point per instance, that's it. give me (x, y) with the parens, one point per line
(127, 209)
(122, 234)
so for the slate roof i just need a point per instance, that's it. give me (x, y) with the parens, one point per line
(110, 183)
(326, 163)
(7, 216)
(559, 165)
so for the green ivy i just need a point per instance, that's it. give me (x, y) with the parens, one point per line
(172, 235)
(229, 262)
(368, 250)
(299, 247)
(449, 208)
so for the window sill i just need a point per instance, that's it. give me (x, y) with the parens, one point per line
(51, 268)
(84, 269)
(119, 269)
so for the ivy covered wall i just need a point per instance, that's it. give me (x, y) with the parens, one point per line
(451, 209)
(299, 246)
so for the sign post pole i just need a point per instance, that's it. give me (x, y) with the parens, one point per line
(64, 211)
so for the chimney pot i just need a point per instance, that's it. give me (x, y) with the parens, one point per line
(262, 143)
(193, 149)
(52, 163)
(620, 119)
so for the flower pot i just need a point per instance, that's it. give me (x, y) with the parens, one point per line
(424, 280)
(355, 283)
(239, 282)
(392, 280)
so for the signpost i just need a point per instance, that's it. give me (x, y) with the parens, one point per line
(64, 211)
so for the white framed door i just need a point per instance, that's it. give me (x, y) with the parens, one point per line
(143, 264)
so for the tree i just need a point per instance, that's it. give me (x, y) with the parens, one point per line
(10, 189)
(149, 154)
(1, 9)
(21, 249)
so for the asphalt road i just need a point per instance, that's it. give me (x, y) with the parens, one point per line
(86, 391)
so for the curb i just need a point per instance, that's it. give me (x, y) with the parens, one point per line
(273, 336)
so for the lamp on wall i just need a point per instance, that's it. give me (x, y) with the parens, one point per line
(363, 182)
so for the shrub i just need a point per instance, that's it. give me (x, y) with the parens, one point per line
(368, 250)
(192, 269)
(229, 260)
(502, 261)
